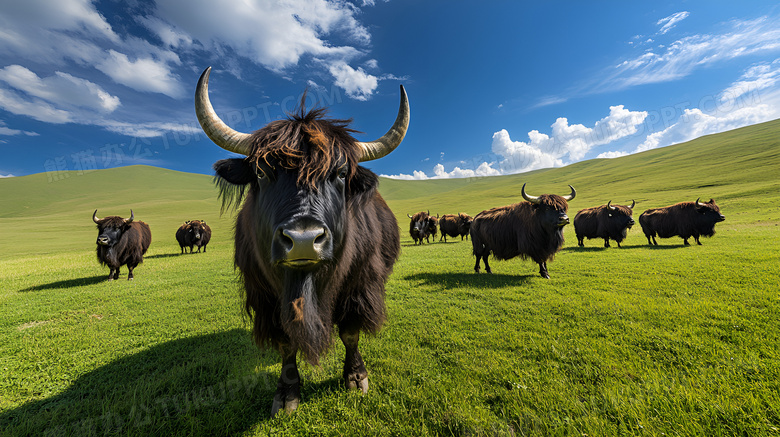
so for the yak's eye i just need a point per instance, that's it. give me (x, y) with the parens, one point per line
(260, 173)
(343, 172)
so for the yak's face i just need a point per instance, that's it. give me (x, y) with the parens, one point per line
(110, 231)
(297, 226)
(551, 210)
(620, 217)
(709, 212)
(421, 226)
(196, 231)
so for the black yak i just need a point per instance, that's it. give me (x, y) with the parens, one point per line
(193, 233)
(453, 225)
(418, 226)
(605, 221)
(121, 241)
(685, 220)
(306, 259)
(433, 226)
(531, 229)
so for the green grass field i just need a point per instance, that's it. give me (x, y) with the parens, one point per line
(667, 340)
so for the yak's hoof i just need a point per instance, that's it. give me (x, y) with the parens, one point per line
(284, 402)
(353, 383)
(545, 275)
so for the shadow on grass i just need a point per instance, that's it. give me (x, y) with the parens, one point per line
(165, 255)
(67, 283)
(205, 385)
(460, 280)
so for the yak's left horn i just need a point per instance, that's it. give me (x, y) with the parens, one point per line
(570, 196)
(699, 203)
(633, 203)
(94, 217)
(216, 129)
(526, 196)
(609, 205)
(130, 220)
(388, 142)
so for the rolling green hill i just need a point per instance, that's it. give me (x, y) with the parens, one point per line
(665, 340)
(740, 169)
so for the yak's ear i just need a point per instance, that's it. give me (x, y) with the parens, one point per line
(236, 171)
(363, 181)
(233, 175)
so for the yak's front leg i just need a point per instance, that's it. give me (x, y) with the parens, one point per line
(543, 270)
(355, 373)
(288, 389)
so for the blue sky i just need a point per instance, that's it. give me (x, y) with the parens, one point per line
(496, 87)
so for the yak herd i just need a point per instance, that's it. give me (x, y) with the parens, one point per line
(124, 241)
(315, 242)
(534, 228)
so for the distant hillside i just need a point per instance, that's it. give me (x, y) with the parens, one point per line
(739, 168)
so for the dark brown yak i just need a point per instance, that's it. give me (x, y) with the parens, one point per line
(121, 241)
(531, 229)
(300, 241)
(605, 221)
(418, 226)
(432, 229)
(685, 219)
(195, 233)
(453, 225)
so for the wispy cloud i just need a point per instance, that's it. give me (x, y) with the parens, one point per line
(671, 21)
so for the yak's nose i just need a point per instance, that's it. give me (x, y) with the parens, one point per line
(102, 240)
(563, 220)
(301, 245)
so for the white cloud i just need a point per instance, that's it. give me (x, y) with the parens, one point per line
(570, 142)
(609, 155)
(671, 21)
(59, 98)
(5, 130)
(357, 83)
(9, 175)
(142, 74)
(66, 15)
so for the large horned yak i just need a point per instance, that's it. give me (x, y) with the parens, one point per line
(121, 241)
(605, 221)
(531, 229)
(301, 245)
(685, 220)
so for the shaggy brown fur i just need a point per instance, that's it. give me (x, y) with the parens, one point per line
(453, 225)
(195, 233)
(418, 226)
(683, 219)
(524, 229)
(603, 222)
(128, 250)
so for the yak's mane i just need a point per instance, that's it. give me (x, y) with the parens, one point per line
(309, 142)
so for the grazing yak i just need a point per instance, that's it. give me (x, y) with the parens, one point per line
(433, 226)
(685, 220)
(194, 233)
(453, 225)
(605, 221)
(121, 241)
(531, 229)
(314, 240)
(419, 226)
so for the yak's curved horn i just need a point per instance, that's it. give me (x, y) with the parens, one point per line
(220, 133)
(633, 203)
(609, 205)
(570, 196)
(130, 220)
(408, 215)
(428, 212)
(526, 196)
(388, 142)
(94, 217)
(699, 203)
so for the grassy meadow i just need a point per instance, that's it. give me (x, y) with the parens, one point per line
(666, 340)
